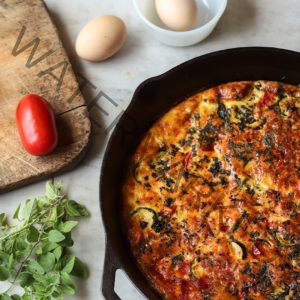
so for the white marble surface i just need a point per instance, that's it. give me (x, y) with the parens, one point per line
(272, 23)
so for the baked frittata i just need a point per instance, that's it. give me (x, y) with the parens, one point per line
(212, 193)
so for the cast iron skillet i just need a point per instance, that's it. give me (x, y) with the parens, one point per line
(152, 99)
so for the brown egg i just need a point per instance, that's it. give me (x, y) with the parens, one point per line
(179, 15)
(101, 38)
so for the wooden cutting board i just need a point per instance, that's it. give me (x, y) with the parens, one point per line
(33, 60)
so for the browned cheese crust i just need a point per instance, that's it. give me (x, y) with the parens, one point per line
(211, 198)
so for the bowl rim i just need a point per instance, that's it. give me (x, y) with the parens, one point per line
(221, 9)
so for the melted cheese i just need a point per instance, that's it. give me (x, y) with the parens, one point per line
(211, 198)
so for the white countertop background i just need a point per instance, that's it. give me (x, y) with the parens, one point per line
(272, 23)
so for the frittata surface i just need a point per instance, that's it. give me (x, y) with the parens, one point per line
(211, 197)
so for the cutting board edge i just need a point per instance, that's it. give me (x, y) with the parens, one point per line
(39, 178)
(72, 161)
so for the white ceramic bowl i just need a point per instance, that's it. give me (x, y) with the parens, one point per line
(210, 13)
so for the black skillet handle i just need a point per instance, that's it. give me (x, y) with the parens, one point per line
(111, 265)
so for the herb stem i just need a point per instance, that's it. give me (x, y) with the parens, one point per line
(41, 231)
(34, 221)
(33, 252)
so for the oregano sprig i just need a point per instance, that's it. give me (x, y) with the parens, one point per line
(34, 252)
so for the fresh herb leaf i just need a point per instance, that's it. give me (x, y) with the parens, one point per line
(78, 269)
(53, 191)
(47, 261)
(67, 263)
(34, 267)
(55, 236)
(5, 297)
(75, 209)
(33, 251)
(67, 226)
(16, 214)
(4, 273)
(30, 210)
(33, 234)
(26, 279)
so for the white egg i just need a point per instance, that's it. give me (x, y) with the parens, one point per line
(179, 15)
(101, 38)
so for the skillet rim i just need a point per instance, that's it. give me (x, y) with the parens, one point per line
(278, 64)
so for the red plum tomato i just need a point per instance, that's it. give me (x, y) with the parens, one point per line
(36, 125)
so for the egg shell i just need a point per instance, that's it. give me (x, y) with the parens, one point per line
(179, 15)
(101, 38)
